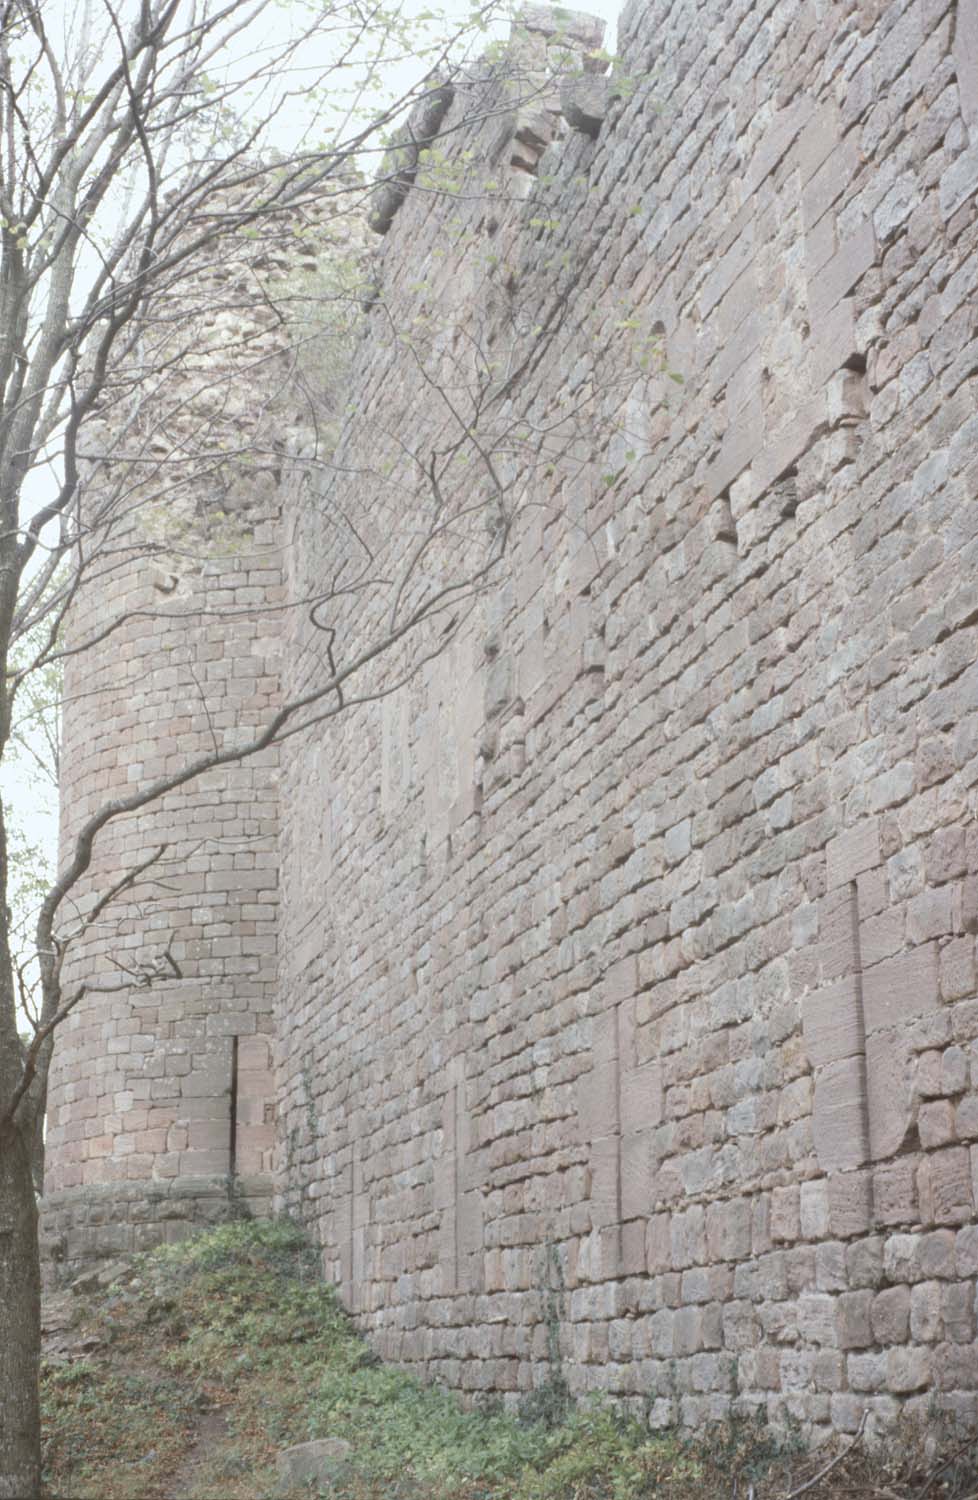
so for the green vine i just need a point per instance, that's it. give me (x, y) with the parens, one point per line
(550, 1403)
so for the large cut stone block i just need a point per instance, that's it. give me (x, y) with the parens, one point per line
(838, 945)
(444, 1182)
(605, 1037)
(839, 1122)
(946, 1187)
(832, 1022)
(636, 1174)
(852, 259)
(322, 1463)
(888, 1092)
(641, 1097)
(597, 1101)
(621, 980)
(849, 1203)
(471, 1222)
(852, 852)
(605, 1196)
(901, 988)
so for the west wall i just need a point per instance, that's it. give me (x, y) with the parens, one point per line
(162, 1096)
(161, 1101)
(627, 1000)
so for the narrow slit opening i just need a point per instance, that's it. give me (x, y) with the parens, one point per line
(233, 1124)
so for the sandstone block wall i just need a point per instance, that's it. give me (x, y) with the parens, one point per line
(627, 996)
(161, 1096)
(162, 1113)
(145, 1081)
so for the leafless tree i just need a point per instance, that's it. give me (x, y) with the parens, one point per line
(136, 179)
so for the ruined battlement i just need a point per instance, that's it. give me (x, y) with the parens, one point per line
(620, 964)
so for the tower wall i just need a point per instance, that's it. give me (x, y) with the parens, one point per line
(161, 1097)
(140, 1116)
(633, 1009)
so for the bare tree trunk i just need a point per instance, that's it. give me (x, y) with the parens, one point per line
(20, 1322)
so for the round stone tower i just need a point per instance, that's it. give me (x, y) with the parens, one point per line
(161, 1097)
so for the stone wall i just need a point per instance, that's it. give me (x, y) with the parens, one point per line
(161, 1097)
(143, 1079)
(627, 990)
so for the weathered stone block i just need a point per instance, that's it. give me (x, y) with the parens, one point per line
(890, 1316)
(621, 981)
(688, 1238)
(902, 988)
(605, 1037)
(834, 281)
(958, 1311)
(814, 1210)
(633, 1257)
(658, 1244)
(929, 915)
(908, 1370)
(830, 1267)
(945, 1187)
(959, 182)
(785, 1214)
(889, 1093)
(935, 1123)
(817, 1319)
(937, 1254)
(605, 1198)
(641, 1097)
(850, 1202)
(959, 976)
(597, 1093)
(838, 1118)
(838, 947)
(569, 27)
(895, 1192)
(852, 852)
(854, 1320)
(320, 1462)
(636, 1174)
(866, 1372)
(833, 1022)
(728, 1230)
(882, 936)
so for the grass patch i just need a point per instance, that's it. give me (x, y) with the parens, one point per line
(102, 1421)
(222, 1350)
(236, 1324)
